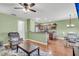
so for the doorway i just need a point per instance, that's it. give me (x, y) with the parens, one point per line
(21, 30)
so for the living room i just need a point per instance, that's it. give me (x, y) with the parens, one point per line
(44, 25)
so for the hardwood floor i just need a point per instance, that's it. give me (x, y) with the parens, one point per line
(54, 47)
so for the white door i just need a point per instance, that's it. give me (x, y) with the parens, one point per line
(21, 29)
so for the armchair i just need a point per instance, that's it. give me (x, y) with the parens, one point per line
(14, 39)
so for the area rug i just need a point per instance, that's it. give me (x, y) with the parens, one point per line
(22, 53)
(9, 52)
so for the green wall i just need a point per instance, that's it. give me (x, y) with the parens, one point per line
(29, 27)
(32, 25)
(7, 24)
(61, 27)
(38, 36)
(25, 25)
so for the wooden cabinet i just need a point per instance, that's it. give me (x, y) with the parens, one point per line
(52, 36)
(46, 27)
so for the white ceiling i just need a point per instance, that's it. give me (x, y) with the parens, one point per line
(45, 11)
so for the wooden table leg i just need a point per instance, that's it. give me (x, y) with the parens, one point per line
(28, 54)
(38, 52)
(73, 52)
(17, 49)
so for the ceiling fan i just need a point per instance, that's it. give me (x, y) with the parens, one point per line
(26, 6)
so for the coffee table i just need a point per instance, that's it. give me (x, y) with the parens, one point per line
(28, 48)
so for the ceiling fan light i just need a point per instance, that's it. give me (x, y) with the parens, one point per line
(24, 10)
(27, 10)
(68, 25)
(72, 25)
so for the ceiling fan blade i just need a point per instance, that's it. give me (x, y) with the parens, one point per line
(32, 10)
(32, 4)
(25, 4)
(21, 4)
(18, 8)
